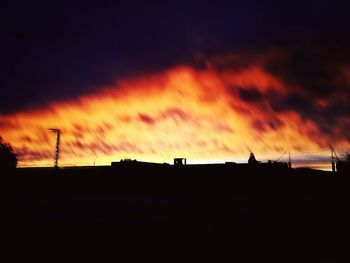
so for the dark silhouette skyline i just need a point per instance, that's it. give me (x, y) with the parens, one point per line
(251, 90)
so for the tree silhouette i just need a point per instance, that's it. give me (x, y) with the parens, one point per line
(8, 158)
(347, 157)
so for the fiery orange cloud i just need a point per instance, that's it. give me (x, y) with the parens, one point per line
(210, 114)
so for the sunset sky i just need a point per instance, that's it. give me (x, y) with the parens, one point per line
(163, 79)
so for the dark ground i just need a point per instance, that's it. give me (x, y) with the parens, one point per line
(299, 216)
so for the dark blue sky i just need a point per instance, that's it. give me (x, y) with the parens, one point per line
(53, 50)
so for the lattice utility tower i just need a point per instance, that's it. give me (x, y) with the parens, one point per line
(57, 148)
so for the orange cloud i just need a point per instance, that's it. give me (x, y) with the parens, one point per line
(203, 114)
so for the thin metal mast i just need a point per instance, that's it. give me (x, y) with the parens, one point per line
(333, 159)
(57, 148)
(289, 159)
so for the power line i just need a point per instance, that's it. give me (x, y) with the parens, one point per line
(313, 152)
(279, 158)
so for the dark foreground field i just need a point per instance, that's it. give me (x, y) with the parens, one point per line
(293, 217)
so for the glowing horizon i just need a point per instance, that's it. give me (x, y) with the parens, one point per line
(204, 115)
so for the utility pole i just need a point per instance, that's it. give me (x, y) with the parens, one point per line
(57, 147)
(333, 156)
(289, 160)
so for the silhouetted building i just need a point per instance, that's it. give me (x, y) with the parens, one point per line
(180, 161)
(129, 163)
(276, 164)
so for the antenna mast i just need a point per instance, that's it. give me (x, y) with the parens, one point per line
(57, 147)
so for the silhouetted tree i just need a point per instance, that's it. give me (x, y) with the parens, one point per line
(347, 157)
(252, 159)
(343, 166)
(8, 158)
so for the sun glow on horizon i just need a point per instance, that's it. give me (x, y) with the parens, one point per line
(199, 114)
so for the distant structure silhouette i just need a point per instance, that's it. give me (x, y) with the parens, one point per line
(8, 158)
(133, 163)
(252, 160)
(180, 161)
(343, 166)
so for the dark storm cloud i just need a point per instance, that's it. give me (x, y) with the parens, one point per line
(317, 72)
(311, 75)
(290, 101)
(250, 94)
(317, 88)
(58, 50)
